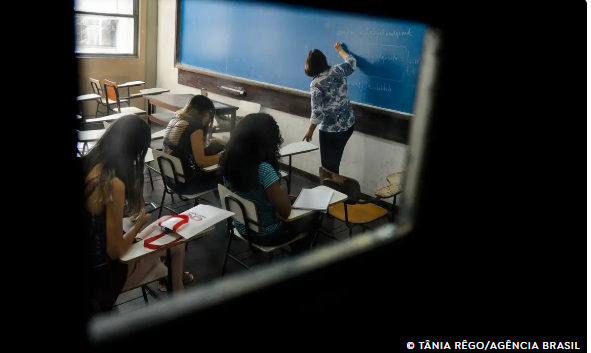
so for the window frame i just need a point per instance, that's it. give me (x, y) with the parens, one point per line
(136, 18)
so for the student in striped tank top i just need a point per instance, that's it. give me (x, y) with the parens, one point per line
(250, 167)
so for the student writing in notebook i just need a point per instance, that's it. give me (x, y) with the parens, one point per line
(114, 179)
(250, 167)
(186, 139)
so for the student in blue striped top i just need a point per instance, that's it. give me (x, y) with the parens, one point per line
(250, 167)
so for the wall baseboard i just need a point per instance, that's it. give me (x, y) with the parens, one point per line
(316, 180)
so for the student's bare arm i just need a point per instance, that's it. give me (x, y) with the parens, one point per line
(279, 199)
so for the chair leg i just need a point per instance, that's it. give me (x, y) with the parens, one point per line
(150, 175)
(172, 197)
(196, 201)
(97, 110)
(162, 202)
(227, 252)
(145, 295)
(347, 222)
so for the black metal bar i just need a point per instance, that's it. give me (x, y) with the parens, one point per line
(145, 295)
(230, 236)
(104, 14)
(151, 181)
(347, 221)
(162, 202)
(289, 177)
(152, 293)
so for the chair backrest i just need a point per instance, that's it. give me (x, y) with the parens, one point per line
(170, 166)
(112, 92)
(346, 185)
(245, 108)
(96, 87)
(243, 209)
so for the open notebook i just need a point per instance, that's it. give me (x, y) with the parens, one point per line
(313, 199)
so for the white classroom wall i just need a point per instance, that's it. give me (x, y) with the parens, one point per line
(366, 158)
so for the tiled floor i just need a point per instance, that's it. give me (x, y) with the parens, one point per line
(205, 256)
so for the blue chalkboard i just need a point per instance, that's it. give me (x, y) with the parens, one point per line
(269, 43)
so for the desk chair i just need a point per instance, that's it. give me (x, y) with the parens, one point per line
(156, 273)
(112, 93)
(96, 88)
(245, 212)
(173, 168)
(354, 210)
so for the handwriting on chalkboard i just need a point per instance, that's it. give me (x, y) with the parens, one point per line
(377, 33)
(381, 57)
(372, 87)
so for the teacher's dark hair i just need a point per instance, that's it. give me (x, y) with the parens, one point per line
(255, 139)
(120, 153)
(315, 63)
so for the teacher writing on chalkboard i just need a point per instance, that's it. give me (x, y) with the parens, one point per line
(331, 107)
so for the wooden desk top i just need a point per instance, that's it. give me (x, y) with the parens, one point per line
(393, 189)
(90, 135)
(211, 168)
(87, 97)
(178, 101)
(297, 148)
(130, 84)
(106, 118)
(149, 91)
(336, 198)
(158, 134)
(149, 156)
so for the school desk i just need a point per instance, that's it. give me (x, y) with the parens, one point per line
(107, 118)
(86, 98)
(138, 251)
(153, 91)
(174, 102)
(131, 84)
(158, 134)
(291, 150)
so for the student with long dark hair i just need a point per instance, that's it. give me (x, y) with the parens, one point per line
(250, 167)
(114, 181)
(186, 138)
(331, 107)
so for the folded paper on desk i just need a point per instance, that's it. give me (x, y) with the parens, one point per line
(313, 199)
(200, 218)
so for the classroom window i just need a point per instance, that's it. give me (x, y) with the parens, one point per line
(106, 27)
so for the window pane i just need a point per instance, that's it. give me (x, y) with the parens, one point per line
(124, 7)
(104, 34)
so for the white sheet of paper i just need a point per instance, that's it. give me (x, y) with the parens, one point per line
(313, 199)
(201, 217)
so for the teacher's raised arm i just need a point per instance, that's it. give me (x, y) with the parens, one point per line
(331, 107)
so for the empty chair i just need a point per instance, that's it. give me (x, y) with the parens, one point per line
(354, 210)
(114, 103)
(96, 88)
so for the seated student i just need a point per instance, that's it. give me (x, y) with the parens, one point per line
(250, 168)
(114, 180)
(185, 138)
